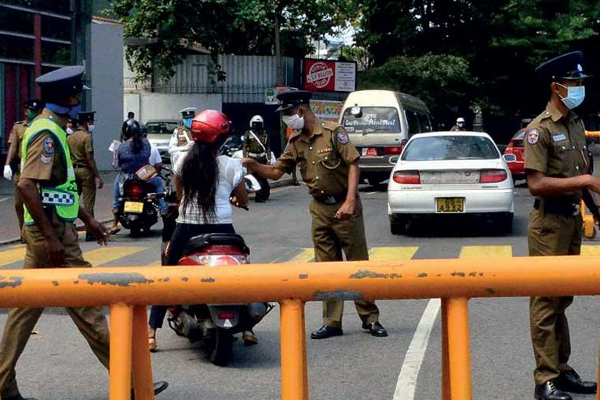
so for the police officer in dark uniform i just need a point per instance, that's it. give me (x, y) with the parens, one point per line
(328, 163)
(258, 147)
(556, 163)
(12, 167)
(49, 192)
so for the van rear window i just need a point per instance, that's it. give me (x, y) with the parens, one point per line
(372, 120)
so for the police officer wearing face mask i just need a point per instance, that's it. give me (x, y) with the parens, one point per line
(181, 140)
(460, 125)
(87, 176)
(328, 163)
(556, 163)
(13, 158)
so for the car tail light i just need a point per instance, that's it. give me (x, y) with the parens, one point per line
(226, 315)
(134, 192)
(392, 150)
(492, 175)
(407, 177)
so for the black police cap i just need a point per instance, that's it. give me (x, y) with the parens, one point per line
(85, 116)
(564, 67)
(34, 104)
(65, 81)
(293, 98)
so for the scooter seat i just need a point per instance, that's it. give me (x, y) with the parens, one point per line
(198, 243)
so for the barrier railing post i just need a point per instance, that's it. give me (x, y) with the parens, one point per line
(294, 376)
(445, 355)
(141, 362)
(121, 321)
(458, 349)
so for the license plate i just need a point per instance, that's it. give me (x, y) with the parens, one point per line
(134, 207)
(369, 152)
(451, 205)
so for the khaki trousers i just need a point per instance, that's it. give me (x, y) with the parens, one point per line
(330, 237)
(551, 234)
(20, 322)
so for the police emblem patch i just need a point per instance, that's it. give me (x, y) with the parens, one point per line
(533, 136)
(49, 145)
(342, 137)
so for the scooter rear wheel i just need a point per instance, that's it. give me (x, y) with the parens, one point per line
(220, 351)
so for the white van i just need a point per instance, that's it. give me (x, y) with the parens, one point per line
(379, 123)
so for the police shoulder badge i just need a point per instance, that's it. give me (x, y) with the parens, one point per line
(342, 137)
(49, 145)
(533, 136)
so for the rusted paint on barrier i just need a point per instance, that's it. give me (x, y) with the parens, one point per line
(116, 278)
(11, 282)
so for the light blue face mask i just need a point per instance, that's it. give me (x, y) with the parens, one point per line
(575, 96)
(187, 122)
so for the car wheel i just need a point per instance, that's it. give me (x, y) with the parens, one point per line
(397, 225)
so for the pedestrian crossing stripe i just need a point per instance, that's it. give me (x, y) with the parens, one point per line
(392, 253)
(485, 252)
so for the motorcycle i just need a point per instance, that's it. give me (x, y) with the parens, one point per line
(214, 325)
(139, 204)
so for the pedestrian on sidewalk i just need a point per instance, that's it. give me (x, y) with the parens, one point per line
(49, 191)
(12, 166)
(87, 176)
(329, 166)
(556, 163)
(258, 147)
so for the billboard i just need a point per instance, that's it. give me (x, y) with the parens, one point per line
(328, 76)
(326, 110)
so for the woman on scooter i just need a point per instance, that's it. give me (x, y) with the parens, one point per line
(131, 155)
(205, 182)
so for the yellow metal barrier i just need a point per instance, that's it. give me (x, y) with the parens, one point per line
(129, 290)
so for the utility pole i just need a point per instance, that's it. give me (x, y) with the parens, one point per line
(280, 81)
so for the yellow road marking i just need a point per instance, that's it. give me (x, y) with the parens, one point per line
(305, 255)
(485, 252)
(105, 255)
(590, 250)
(13, 255)
(392, 253)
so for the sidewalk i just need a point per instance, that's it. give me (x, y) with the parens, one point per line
(9, 229)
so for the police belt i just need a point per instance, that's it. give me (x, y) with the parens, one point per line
(555, 206)
(331, 199)
(257, 155)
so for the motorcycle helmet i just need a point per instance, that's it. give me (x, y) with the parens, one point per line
(257, 122)
(131, 131)
(209, 125)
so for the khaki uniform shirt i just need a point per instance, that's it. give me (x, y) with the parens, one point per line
(80, 143)
(16, 137)
(555, 145)
(45, 161)
(323, 159)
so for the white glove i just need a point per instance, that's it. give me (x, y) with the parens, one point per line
(8, 172)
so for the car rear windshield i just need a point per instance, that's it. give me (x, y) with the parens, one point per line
(372, 120)
(518, 139)
(450, 148)
(161, 127)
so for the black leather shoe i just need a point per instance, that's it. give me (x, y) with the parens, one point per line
(549, 391)
(325, 332)
(570, 381)
(159, 387)
(17, 397)
(376, 329)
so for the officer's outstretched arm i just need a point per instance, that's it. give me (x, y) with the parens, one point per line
(264, 170)
(545, 186)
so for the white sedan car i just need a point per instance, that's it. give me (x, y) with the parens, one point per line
(460, 173)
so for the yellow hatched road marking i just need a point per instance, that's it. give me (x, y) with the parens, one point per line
(16, 253)
(392, 253)
(486, 252)
(590, 250)
(105, 255)
(304, 255)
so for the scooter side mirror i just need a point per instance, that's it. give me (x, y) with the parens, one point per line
(251, 183)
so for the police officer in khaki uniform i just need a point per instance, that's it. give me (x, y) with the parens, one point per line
(328, 163)
(87, 176)
(12, 166)
(258, 147)
(556, 161)
(49, 191)
(181, 140)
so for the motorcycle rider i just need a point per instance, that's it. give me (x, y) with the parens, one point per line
(205, 181)
(460, 125)
(131, 155)
(258, 147)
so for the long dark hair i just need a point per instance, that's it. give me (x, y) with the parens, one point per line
(133, 131)
(199, 178)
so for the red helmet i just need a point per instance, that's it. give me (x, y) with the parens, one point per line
(208, 125)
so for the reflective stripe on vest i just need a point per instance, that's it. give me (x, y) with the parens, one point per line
(64, 197)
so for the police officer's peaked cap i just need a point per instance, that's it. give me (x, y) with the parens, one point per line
(65, 81)
(189, 112)
(567, 66)
(86, 116)
(34, 104)
(293, 98)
